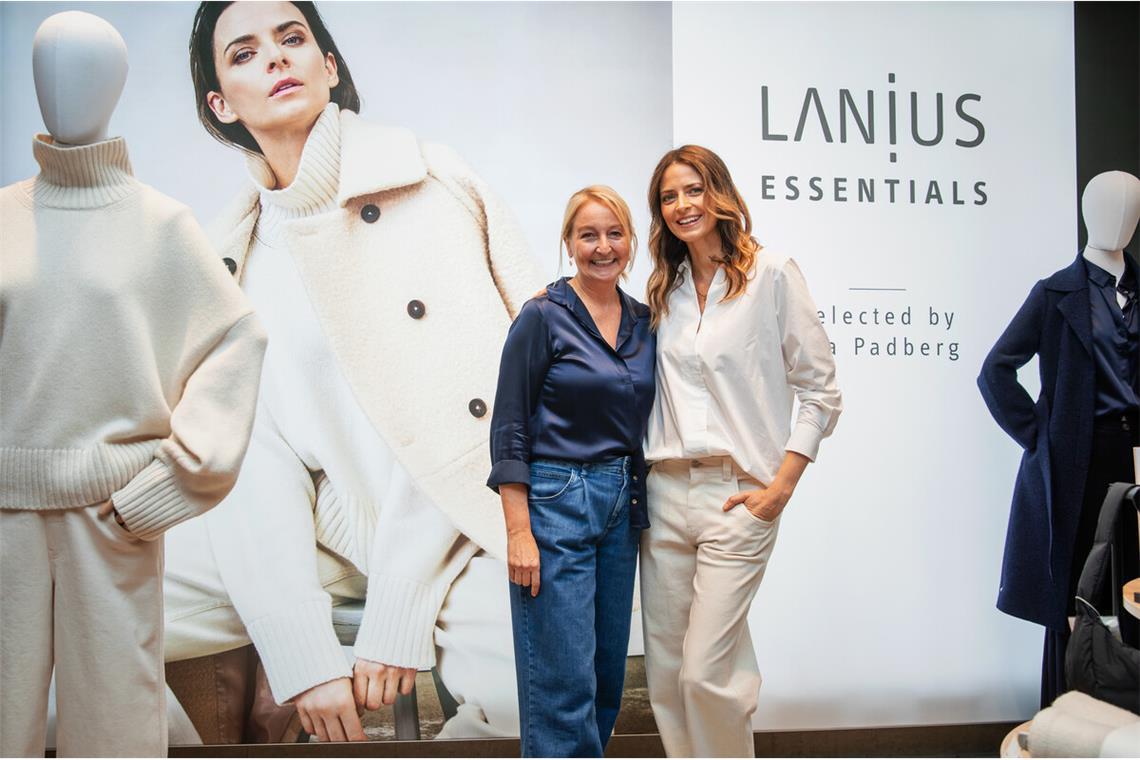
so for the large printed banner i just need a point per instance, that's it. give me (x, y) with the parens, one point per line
(918, 162)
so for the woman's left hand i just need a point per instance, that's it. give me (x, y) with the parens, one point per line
(374, 683)
(766, 502)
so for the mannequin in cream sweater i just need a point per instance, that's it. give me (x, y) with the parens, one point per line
(129, 364)
(387, 276)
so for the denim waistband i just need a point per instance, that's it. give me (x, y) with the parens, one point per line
(615, 466)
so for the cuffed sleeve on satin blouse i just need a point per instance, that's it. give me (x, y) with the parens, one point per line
(526, 358)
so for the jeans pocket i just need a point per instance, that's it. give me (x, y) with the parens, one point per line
(548, 483)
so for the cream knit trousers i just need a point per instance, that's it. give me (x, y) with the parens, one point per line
(79, 593)
(700, 568)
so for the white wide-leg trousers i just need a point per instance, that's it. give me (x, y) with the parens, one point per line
(700, 568)
(82, 595)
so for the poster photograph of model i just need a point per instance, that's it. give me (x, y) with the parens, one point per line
(491, 418)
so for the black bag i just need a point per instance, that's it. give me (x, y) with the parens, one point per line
(1096, 662)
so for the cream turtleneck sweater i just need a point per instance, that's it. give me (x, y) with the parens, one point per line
(364, 506)
(129, 359)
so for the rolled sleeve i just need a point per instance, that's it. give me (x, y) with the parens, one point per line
(810, 365)
(522, 371)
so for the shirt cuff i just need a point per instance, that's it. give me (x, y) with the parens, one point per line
(151, 503)
(805, 440)
(509, 471)
(299, 648)
(398, 628)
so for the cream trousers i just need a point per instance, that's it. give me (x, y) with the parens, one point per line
(80, 594)
(700, 568)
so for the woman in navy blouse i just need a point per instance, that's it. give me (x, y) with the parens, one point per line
(575, 391)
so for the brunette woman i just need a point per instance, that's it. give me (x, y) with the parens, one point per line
(738, 340)
(386, 274)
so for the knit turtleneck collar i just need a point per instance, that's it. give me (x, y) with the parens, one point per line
(81, 176)
(314, 188)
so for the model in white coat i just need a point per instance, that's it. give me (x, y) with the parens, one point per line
(127, 406)
(387, 276)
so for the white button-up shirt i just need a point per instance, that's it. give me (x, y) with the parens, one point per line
(726, 379)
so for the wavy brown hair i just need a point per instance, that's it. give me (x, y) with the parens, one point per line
(734, 223)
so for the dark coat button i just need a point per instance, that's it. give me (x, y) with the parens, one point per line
(416, 309)
(230, 264)
(477, 407)
(370, 213)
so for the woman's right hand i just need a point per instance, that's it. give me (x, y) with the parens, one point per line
(328, 711)
(523, 559)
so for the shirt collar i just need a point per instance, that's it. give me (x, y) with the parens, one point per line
(1105, 279)
(562, 293)
(1101, 277)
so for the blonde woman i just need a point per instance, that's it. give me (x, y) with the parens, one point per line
(575, 389)
(737, 340)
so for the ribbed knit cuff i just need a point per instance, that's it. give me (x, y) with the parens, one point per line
(805, 440)
(299, 648)
(399, 622)
(151, 503)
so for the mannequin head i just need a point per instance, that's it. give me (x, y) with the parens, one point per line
(79, 64)
(1110, 206)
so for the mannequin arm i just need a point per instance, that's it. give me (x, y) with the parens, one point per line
(1008, 401)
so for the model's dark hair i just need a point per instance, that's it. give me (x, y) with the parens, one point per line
(734, 224)
(205, 73)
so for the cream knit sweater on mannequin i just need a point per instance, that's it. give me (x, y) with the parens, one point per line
(129, 359)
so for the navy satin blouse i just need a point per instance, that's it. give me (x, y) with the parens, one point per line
(564, 393)
(1116, 335)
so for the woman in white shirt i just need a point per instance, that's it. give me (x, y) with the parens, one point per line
(738, 338)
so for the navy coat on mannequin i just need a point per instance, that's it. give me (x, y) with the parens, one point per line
(1055, 324)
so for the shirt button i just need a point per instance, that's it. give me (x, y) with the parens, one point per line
(477, 407)
(416, 309)
(370, 213)
(635, 477)
(634, 501)
(230, 264)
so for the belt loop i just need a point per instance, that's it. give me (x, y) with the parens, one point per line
(726, 468)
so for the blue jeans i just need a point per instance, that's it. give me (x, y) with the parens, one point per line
(571, 640)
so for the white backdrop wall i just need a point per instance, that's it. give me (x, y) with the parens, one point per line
(878, 606)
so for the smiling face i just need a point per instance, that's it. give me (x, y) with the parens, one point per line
(599, 244)
(684, 206)
(272, 75)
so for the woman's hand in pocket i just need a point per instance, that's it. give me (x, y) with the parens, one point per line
(108, 508)
(764, 502)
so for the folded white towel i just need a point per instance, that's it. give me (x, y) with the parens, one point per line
(1077, 725)
(1080, 705)
(1055, 733)
(1123, 742)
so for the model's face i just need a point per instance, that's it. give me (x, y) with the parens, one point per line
(272, 74)
(599, 244)
(682, 202)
